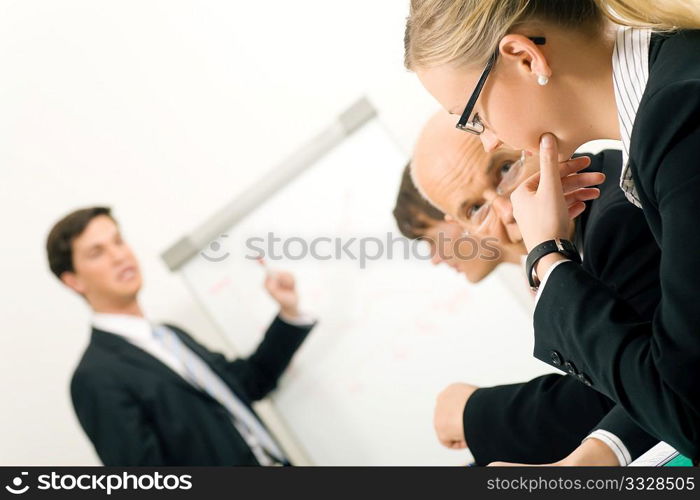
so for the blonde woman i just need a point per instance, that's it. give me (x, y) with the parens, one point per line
(552, 75)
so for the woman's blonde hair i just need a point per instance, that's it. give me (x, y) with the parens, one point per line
(467, 32)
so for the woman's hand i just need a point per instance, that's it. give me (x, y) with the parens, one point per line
(591, 453)
(544, 204)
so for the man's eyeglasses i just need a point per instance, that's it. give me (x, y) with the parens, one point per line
(474, 126)
(477, 216)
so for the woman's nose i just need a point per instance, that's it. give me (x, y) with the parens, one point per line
(489, 141)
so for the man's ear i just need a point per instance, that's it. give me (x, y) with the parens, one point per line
(526, 56)
(72, 281)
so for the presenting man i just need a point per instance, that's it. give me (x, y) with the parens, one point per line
(149, 394)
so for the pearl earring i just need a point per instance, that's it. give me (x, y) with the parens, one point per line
(542, 80)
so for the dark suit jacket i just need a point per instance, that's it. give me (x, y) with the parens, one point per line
(651, 368)
(137, 411)
(543, 420)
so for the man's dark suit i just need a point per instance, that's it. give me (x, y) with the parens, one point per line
(137, 411)
(543, 420)
(651, 368)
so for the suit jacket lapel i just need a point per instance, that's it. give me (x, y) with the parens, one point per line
(138, 357)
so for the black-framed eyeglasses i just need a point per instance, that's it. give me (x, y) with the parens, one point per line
(475, 126)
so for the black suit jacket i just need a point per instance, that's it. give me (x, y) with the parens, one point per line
(137, 411)
(543, 420)
(651, 368)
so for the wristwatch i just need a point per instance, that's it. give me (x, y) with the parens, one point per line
(557, 245)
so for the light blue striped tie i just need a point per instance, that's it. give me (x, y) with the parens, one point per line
(203, 377)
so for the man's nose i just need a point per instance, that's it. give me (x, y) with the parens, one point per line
(503, 208)
(489, 141)
(118, 253)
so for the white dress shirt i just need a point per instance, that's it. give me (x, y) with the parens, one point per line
(630, 77)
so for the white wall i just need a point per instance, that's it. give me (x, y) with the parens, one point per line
(163, 110)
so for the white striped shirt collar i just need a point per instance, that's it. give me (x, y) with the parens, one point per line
(135, 329)
(630, 75)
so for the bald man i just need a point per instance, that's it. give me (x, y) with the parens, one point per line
(470, 256)
(452, 171)
(543, 420)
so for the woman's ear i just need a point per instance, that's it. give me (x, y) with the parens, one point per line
(526, 57)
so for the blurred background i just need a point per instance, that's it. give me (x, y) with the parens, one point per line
(164, 110)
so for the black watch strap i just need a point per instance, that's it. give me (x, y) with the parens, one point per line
(557, 245)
